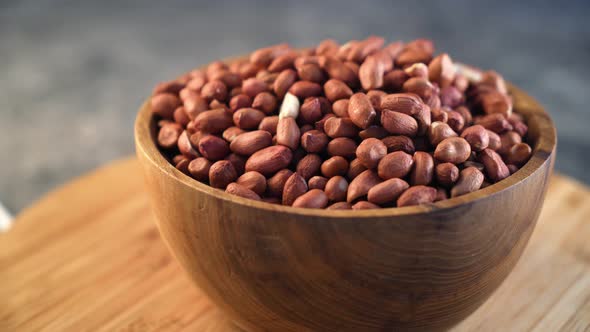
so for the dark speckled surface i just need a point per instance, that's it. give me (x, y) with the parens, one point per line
(72, 73)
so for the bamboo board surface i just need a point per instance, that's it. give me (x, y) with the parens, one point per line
(87, 257)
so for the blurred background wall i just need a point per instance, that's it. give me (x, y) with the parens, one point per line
(73, 73)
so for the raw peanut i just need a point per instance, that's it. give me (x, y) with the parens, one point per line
(217, 104)
(306, 59)
(336, 189)
(269, 124)
(451, 97)
(231, 133)
(276, 183)
(164, 104)
(354, 66)
(335, 90)
(423, 170)
(214, 90)
(283, 82)
(342, 146)
(182, 165)
(420, 86)
(338, 70)
(494, 165)
(475, 164)
(387, 192)
(222, 173)
(314, 141)
(294, 187)
(248, 143)
(385, 59)
(199, 169)
(309, 166)
(354, 169)
(186, 148)
(398, 123)
(438, 131)
(399, 143)
(512, 168)
(477, 137)
(441, 194)
(466, 114)
(264, 56)
(424, 120)
(196, 137)
(171, 87)
(361, 184)
(213, 147)
(508, 139)
(231, 80)
(239, 190)
(455, 121)
(248, 70)
(266, 102)
(269, 160)
(495, 141)
(340, 127)
(407, 103)
(470, 180)
(361, 110)
(253, 86)
(178, 158)
(370, 151)
(213, 121)
(194, 106)
(373, 132)
(346, 48)
(394, 80)
(417, 195)
(375, 98)
(461, 82)
(340, 108)
(495, 122)
(453, 150)
(289, 107)
(446, 174)
(319, 125)
(360, 51)
(288, 133)
(317, 182)
(253, 181)
(327, 47)
(325, 105)
(187, 93)
(371, 73)
(412, 55)
(195, 84)
(494, 102)
(215, 67)
(395, 165)
(311, 72)
(439, 115)
(441, 70)
(181, 117)
(304, 89)
(494, 80)
(247, 118)
(305, 128)
(310, 111)
(518, 126)
(169, 134)
(417, 70)
(364, 205)
(282, 62)
(334, 166)
(267, 77)
(313, 199)
(518, 154)
(340, 206)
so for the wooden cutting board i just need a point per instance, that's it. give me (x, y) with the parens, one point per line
(88, 257)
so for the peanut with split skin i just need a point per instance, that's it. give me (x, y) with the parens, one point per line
(357, 125)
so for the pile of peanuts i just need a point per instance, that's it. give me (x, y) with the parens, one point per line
(361, 125)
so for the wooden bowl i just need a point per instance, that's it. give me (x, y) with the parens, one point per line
(278, 268)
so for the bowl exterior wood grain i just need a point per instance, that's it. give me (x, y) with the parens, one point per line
(276, 268)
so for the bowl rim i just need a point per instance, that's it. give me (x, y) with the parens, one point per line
(533, 112)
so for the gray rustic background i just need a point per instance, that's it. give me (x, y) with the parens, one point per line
(73, 73)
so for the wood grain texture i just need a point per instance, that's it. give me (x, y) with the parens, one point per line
(277, 268)
(88, 257)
